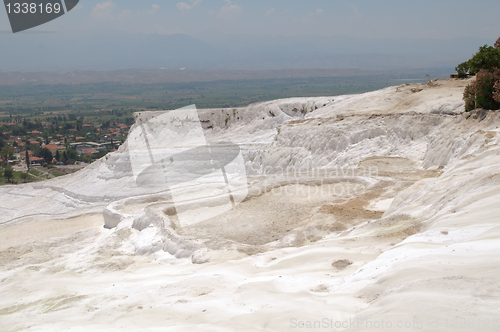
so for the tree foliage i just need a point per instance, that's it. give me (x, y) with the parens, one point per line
(463, 69)
(46, 136)
(482, 92)
(70, 156)
(487, 58)
(27, 157)
(8, 173)
(496, 91)
(46, 155)
(7, 152)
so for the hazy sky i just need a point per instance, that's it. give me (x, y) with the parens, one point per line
(442, 19)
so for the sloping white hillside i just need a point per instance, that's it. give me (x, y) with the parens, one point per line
(367, 212)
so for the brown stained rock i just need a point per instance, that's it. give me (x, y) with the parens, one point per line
(341, 264)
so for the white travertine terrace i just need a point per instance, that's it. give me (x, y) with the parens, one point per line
(370, 207)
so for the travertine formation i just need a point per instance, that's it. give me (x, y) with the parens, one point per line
(379, 208)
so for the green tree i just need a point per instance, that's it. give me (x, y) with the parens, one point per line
(46, 155)
(7, 152)
(27, 158)
(487, 58)
(58, 155)
(71, 153)
(46, 136)
(86, 158)
(463, 69)
(497, 44)
(8, 173)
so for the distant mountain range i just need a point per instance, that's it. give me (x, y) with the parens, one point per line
(92, 50)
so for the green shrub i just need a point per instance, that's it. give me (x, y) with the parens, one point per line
(470, 97)
(50, 166)
(86, 158)
(462, 69)
(496, 90)
(480, 93)
(24, 176)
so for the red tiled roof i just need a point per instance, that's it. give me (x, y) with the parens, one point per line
(23, 153)
(53, 146)
(36, 159)
(91, 151)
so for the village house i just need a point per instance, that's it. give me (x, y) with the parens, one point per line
(82, 148)
(22, 154)
(91, 151)
(20, 146)
(53, 148)
(36, 160)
